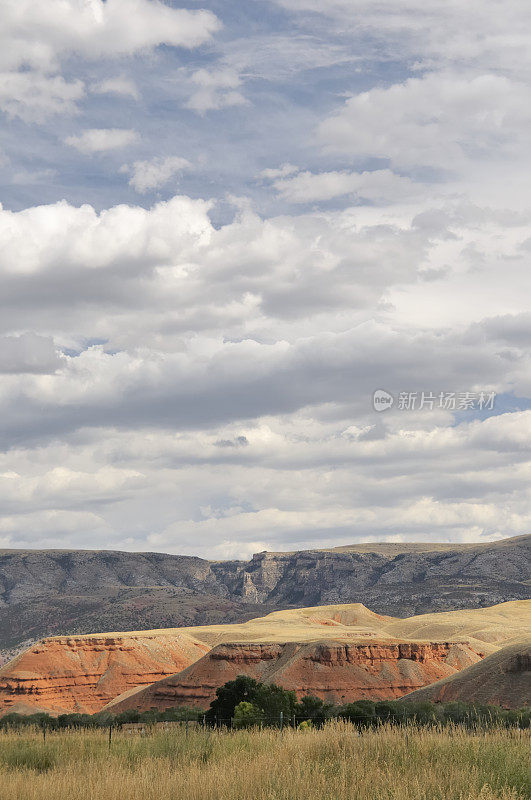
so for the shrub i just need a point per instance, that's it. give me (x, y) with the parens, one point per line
(246, 715)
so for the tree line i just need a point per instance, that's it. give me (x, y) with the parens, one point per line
(245, 702)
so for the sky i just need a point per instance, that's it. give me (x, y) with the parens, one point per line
(224, 227)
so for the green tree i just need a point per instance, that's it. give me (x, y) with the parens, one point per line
(273, 700)
(229, 695)
(270, 699)
(360, 712)
(246, 715)
(390, 711)
(313, 709)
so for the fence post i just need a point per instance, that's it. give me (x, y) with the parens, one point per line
(44, 733)
(110, 735)
(186, 728)
(281, 721)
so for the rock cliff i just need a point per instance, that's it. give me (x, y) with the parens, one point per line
(81, 674)
(336, 672)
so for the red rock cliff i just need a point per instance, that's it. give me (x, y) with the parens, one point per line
(82, 673)
(337, 672)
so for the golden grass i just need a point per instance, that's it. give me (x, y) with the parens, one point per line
(489, 627)
(384, 764)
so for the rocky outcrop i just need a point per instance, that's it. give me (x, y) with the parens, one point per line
(501, 679)
(336, 672)
(407, 582)
(65, 592)
(81, 674)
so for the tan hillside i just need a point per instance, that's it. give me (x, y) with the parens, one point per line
(494, 625)
(353, 621)
(503, 679)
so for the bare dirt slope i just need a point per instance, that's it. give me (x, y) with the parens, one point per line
(334, 671)
(81, 674)
(502, 679)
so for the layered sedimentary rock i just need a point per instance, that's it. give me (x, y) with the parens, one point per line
(81, 674)
(334, 671)
(502, 679)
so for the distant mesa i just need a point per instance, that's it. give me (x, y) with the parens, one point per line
(53, 592)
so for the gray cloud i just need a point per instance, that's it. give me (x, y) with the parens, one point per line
(28, 353)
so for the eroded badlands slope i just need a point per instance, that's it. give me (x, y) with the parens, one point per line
(345, 649)
(502, 678)
(81, 674)
(338, 672)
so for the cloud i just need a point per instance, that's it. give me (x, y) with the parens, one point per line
(53, 527)
(279, 172)
(191, 274)
(28, 353)
(197, 375)
(379, 185)
(215, 89)
(27, 177)
(228, 399)
(291, 486)
(152, 174)
(37, 35)
(120, 85)
(439, 120)
(35, 38)
(513, 329)
(98, 140)
(436, 32)
(34, 97)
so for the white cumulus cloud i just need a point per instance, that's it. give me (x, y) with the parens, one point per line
(439, 120)
(155, 172)
(97, 140)
(35, 38)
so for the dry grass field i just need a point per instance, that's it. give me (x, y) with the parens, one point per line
(492, 626)
(336, 762)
